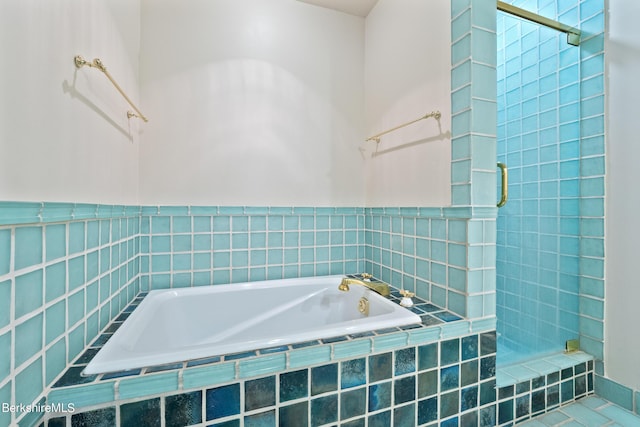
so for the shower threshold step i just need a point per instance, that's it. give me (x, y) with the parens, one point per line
(530, 389)
(590, 411)
(532, 369)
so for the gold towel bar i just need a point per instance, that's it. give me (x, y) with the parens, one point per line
(434, 114)
(97, 63)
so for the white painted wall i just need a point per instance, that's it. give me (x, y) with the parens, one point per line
(407, 68)
(622, 301)
(252, 102)
(64, 134)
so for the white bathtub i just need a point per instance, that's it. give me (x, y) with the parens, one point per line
(190, 323)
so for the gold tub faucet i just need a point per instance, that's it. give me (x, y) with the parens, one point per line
(376, 286)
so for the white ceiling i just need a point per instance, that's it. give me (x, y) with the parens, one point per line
(352, 7)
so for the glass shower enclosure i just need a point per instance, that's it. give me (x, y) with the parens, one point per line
(538, 230)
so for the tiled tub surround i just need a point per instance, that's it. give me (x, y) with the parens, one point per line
(175, 246)
(429, 315)
(416, 375)
(61, 282)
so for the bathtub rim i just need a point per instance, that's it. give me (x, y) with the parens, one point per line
(97, 366)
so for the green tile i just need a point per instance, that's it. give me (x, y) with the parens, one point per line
(5, 303)
(55, 321)
(29, 383)
(55, 280)
(221, 223)
(56, 360)
(87, 395)
(614, 392)
(351, 349)
(262, 365)
(5, 355)
(309, 356)
(5, 396)
(160, 224)
(5, 251)
(105, 260)
(160, 263)
(19, 212)
(75, 308)
(28, 293)
(93, 326)
(28, 247)
(423, 335)
(93, 262)
(181, 224)
(76, 237)
(391, 341)
(619, 415)
(208, 375)
(84, 211)
(76, 341)
(76, 272)
(148, 384)
(93, 234)
(454, 329)
(28, 339)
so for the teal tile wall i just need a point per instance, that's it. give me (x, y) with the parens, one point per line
(86, 271)
(551, 134)
(61, 281)
(592, 170)
(615, 392)
(473, 104)
(442, 258)
(220, 245)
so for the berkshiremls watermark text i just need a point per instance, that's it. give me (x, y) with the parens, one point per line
(36, 407)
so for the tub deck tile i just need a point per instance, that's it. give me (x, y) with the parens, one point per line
(262, 365)
(242, 355)
(203, 361)
(148, 384)
(351, 349)
(86, 395)
(208, 375)
(121, 374)
(437, 324)
(305, 344)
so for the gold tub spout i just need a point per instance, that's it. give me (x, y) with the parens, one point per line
(379, 287)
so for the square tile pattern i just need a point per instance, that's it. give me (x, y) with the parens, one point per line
(451, 381)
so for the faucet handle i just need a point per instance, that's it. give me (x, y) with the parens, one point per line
(366, 276)
(406, 298)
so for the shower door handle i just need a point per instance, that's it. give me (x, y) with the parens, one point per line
(504, 193)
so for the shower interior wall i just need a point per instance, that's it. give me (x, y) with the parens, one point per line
(550, 262)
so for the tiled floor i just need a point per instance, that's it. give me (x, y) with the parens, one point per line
(588, 412)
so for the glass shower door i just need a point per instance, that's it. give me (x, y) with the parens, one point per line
(538, 229)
